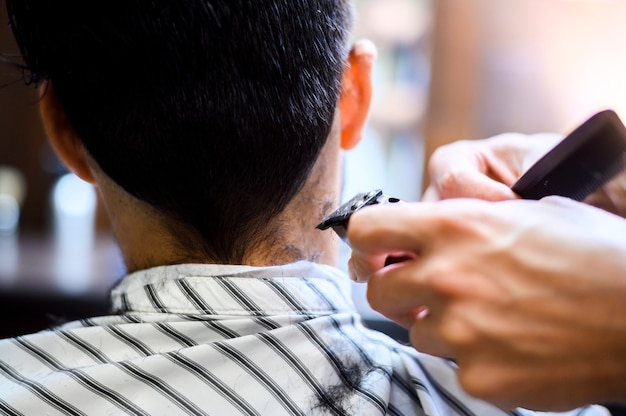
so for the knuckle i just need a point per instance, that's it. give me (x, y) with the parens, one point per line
(442, 277)
(479, 382)
(457, 333)
(450, 182)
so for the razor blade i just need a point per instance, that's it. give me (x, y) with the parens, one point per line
(338, 219)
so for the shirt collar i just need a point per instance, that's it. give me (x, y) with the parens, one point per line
(301, 288)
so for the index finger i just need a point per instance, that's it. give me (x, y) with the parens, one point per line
(385, 229)
(378, 232)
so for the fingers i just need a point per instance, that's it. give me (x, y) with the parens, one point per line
(399, 231)
(464, 170)
(483, 169)
(390, 228)
(397, 293)
(361, 266)
(469, 183)
(401, 293)
(431, 194)
(376, 233)
(422, 337)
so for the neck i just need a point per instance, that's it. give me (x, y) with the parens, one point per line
(146, 241)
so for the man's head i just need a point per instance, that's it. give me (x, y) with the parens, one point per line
(213, 112)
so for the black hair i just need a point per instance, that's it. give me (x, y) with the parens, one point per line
(212, 111)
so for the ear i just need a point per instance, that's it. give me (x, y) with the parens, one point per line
(356, 94)
(62, 135)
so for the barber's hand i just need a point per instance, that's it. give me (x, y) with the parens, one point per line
(529, 297)
(484, 169)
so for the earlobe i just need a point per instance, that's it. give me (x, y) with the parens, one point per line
(62, 135)
(356, 95)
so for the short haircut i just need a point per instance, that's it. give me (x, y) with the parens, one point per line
(212, 111)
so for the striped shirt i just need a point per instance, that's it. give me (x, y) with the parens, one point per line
(228, 340)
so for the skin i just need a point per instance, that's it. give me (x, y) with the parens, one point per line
(484, 169)
(291, 236)
(526, 296)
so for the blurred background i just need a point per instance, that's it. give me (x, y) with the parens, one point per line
(447, 70)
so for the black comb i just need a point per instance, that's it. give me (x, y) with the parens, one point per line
(581, 163)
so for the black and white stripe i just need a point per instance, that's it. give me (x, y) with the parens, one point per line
(225, 340)
(85, 380)
(263, 379)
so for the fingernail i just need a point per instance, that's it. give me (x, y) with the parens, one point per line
(422, 313)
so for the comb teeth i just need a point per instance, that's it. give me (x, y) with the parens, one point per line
(581, 163)
(575, 184)
(594, 182)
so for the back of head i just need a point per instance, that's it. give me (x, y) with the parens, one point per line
(211, 111)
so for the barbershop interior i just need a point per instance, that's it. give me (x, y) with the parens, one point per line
(447, 70)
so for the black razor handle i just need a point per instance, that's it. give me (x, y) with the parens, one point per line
(581, 163)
